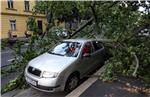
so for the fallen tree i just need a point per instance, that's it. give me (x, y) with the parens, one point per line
(118, 23)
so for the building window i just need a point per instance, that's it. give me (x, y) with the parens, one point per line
(13, 25)
(27, 6)
(10, 3)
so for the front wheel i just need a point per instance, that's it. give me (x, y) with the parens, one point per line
(72, 83)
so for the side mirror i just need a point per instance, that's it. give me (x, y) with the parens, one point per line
(86, 55)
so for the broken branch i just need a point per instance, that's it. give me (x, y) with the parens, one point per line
(83, 26)
(137, 64)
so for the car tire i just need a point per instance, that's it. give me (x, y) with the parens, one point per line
(72, 82)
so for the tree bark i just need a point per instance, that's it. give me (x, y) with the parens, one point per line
(49, 16)
(47, 29)
(82, 27)
(98, 28)
(95, 18)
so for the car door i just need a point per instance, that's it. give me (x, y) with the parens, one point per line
(98, 53)
(85, 62)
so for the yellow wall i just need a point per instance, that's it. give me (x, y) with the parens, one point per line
(20, 25)
(19, 15)
(18, 7)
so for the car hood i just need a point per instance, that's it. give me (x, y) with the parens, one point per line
(50, 62)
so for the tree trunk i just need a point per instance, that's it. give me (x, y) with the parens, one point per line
(98, 29)
(82, 27)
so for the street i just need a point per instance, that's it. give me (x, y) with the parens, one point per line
(6, 57)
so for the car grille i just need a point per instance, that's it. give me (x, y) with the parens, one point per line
(34, 71)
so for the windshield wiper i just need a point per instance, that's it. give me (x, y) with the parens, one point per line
(55, 53)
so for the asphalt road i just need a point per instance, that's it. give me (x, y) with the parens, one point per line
(6, 57)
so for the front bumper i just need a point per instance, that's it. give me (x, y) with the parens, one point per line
(43, 84)
(46, 89)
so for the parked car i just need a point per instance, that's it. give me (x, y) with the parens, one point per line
(61, 68)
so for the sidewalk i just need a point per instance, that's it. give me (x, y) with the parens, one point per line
(20, 39)
(8, 47)
(113, 89)
(11, 41)
(30, 92)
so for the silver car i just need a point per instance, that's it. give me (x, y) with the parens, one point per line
(61, 68)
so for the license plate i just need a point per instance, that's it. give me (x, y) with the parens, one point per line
(31, 81)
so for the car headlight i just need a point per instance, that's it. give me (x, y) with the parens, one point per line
(49, 74)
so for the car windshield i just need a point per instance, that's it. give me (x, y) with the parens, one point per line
(65, 48)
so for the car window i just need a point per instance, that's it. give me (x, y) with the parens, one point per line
(66, 48)
(97, 45)
(88, 48)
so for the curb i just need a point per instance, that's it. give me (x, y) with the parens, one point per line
(80, 89)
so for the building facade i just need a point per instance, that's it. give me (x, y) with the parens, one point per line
(14, 14)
